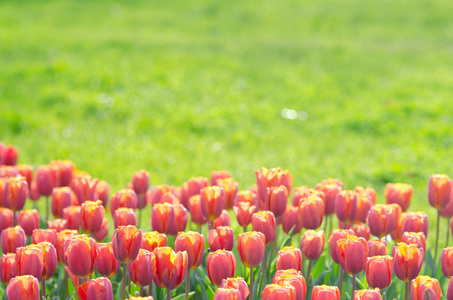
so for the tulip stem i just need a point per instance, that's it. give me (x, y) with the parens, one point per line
(407, 290)
(43, 288)
(187, 284)
(14, 219)
(211, 224)
(141, 292)
(139, 218)
(308, 272)
(437, 236)
(251, 283)
(341, 280)
(353, 285)
(65, 285)
(47, 209)
(168, 294)
(448, 231)
(123, 288)
(77, 288)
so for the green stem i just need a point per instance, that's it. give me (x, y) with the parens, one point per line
(308, 271)
(65, 284)
(211, 224)
(14, 219)
(43, 288)
(407, 290)
(437, 236)
(263, 269)
(123, 288)
(150, 288)
(448, 231)
(47, 209)
(141, 292)
(251, 283)
(353, 286)
(187, 284)
(139, 218)
(77, 289)
(168, 294)
(341, 280)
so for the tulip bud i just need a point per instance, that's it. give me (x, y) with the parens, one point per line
(44, 235)
(227, 294)
(264, 221)
(439, 189)
(334, 237)
(50, 260)
(62, 236)
(6, 218)
(423, 284)
(237, 283)
(398, 193)
(171, 267)
(9, 155)
(29, 220)
(195, 210)
(330, 191)
(46, 180)
(367, 295)
(126, 242)
(152, 240)
(293, 278)
(18, 193)
(272, 178)
(377, 247)
(364, 204)
(379, 271)
(381, 220)
(216, 175)
(27, 172)
(278, 292)
(192, 187)
(12, 238)
(346, 206)
(80, 255)
(103, 232)
(123, 198)
(291, 220)
(140, 182)
(417, 238)
(416, 222)
(311, 212)
(352, 251)
(29, 261)
(312, 244)
(289, 258)
(124, 216)
(230, 187)
(102, 192)
(169, 219)
(398, 232)
(7, 267)
(100, 288)
(91, 216)
(62, 197)
(72, 215)
(325, 292)
(221, 238)
(212, 201)
(244, 211)
(23, 288)
(407, 261)
(446, 260)
(141, 269)
(251, 246)
(84, 188)
(302, 192)
(222, 258)
(106, 263)
(193, 243)
(222, 220)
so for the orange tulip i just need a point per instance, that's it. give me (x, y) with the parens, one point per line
(171, 267)
(236, 283)
(381, 220)
(367, 295)
(264, 221)
(102, 192)
(304, 192)
(439, 189)
(325, 292)
(216, 175)
(311, 212)
(72, 215)
(246, 196)
(334, 237)
(416, 222)
(364, 204)
(46, 179)
(18, 193)
(289, 258)
(124, 216)
(360, 230)
(12, 238)
(379, 271)
(398, 232)
(447, 212)
(195, 210)
(230, 187)
(29, 220)
(4, 190)
(423, 284)
(446, 260)
(193, 243)
(277, 292)
(152, 240)
(6, 218)
(57, 224)
(251, 248)
(369, 191)
(191, 188)
(65, 170)
(44, 235)
(62, 197)
(33, 193)
(222, 258)
(106, 263)
(293, 278)
(212, 202)
(91, 216)
(80, 255)
(312, 244)
(377, 247)
(276, 200)
(227, 294)
(23, 288)
(330, 191)
(126, 242)
(9, 155)
(399, 193)
(268, 178)
(8, 171)
(407, 261)
(26, 171)
(352, 251)
(244, 211)
(50, 260)
(84, 188)
(62, 236)
(169, 219)
(140, 182)
(29, 261)
(291, 219)
(417, 238)
(103, 232)
(221, 238)
(142, 269)
(346, 206)
(155, 194)
(7, 267)
(123, 198)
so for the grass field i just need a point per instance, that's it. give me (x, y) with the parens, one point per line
(181, 88)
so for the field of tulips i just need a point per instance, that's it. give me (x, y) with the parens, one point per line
(210, 240)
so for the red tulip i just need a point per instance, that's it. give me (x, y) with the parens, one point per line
(191, 188)
(381, 220)
(398, 232)
(152, 240)
(46, 179)
(222, 220)
(18, 193)
(80, 255)
(195, 210)
(417, 238)
(379, 271)
(142, 269)
(447, 212)
(6, 218)
(154, 195)
(360, 230)
(169, 219)
(311, 212)
(62, 197)
(352, 252)
(29, 261)
(221, 238)
(264, 221)
(140, 182)
(334, 237)
(364, 205)
(33, 193)
(237, 283)
(91, 216)
(407, 261)
(369, 191)
(304, 192)
(45, 235)
(399, 193)
(230, 187)
(106, 263)
(65, 170)
(293, 278)
(72, 215)
(99, 288)
(227, 294)
(123, 198)
(27, 172)
(289, 258)
(416, 222)
(62, 236)
(50, 260)
(84, 188)
(222, 258)
(7, 267)
(278, 292)
(212, 202)
(450, 290)
(346, 206)
(291, 219)
(23, 288)
(312, 244)
(29, 220)
(216, 175)
(103, 232)
(4, 190)
(126, 242)
(251, 247)
(102, 192)
(171, 267)
(193, 243)
(325, 292)
(12, 238)
(244, 211)
(377, 247)
(9, 155)
(124, 216)
(330, 191)
(439, 189)
(423, 284)
(367, 295)
(446, 260)
(276, 200)
(246, 196)
(272, 178)
(8, 171)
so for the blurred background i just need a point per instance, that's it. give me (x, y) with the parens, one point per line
(347, 89)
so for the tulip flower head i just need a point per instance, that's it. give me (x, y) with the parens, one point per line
(142, 269)
(62, 236)
(230, 186)
(222, 220)
(29, 261)
(191, 188)
(212, 201)
(352, 252)
(407, 261)
(123, 198)
(289, 258)
(220, 174)
(269, 178)
(334, 237)
(277, 292)
(12, 238)
(124, 216)
(222, 258)
(264, 221)
(62, 197)
(80, 255)
(18, 193)
(193, 243)
(84, 188)
(293, 278)
(7, 267)
(321, 292)
(439, 189)
(398, 193)
(379, 271)
(312, 244)
(6, 218)
(381, 220)
(23, 288)
(416, 222)
(171, 267)
(72, 216)
(50, 259)
(236, 283)
(46, 179)
(425, 284)
(152, 240)
(377, 247)
(251, 247)
(126, 243)
(99, 288)
(367, 295)
(57, 224)
(91, 216)
(364, 204)
(346, 205)
(244, 211)
(446, 260)
(417, 238)
(311, 212)
(103, 232)
(102, 192)
(106, 263)
(228, 294)
(221, 238)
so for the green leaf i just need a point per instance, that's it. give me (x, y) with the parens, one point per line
(182, 296)
(287, 240)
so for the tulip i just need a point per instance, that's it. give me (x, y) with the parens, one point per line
(103, 232)
(360, 230)
(246, 196)
(230, 187)
(46, 179)
(106, 263)
(334, 237)
(23, 288)
(446, 260)
(439, 189)
(416, 222)
(154, 195)
(18, 193)
(6, 218)
(330, 191)
(398, 232)
(312, 244)
(44, 235)
(222, 220)
(99, 288)
(9, 155)
(65, 170)
(264, 221)
(8, 171)
(168, 197)
(381, 220)
(80, 255)
(193, 244)
(62, 236)
(304, 192)
(212, 201)
(417, 238)
(346, 206)
(29, 220)
(352, 252)
(29, 261)
(289, 258)
(124, 216)
(140, 182)
(126, 242)
(123, 198)
(169, 219)
(399, 193)
(7, 267)
(377, 247)
(102, 192)
(195, 211)
(4, 190)
(407, 262)
(216, 175)
(26, 171)
(192, 187)
(72, 215)
(292, 278)
(84, 188)
(237, 283)
(447, 213)
(369, 191)
(12, 238)
(364, 205)
(291, 220)
(50, 260)
(244, 211)
(62, 197)
(379, 271)
(141, 270)
(170, 269)
(367, 295)
(222, 258)
(325, 292)
(272, 178)
(227, 294)
(276, 200)
(33, 191)
(221, 238)
(91, 216)
(311, 212)
(275, 292)
(152, 240)
(141, 298)
(423, 284)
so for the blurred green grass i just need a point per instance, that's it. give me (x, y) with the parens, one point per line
(182, 88)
